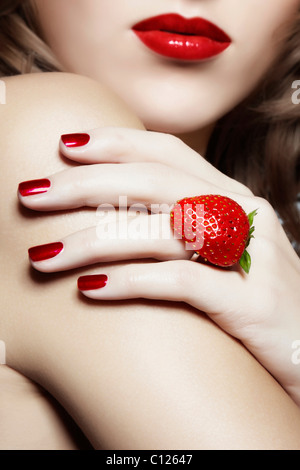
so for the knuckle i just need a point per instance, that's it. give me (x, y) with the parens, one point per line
(78, 182)
(184, 278)
(131, 281)
(77, 185)
(243, 190)
(75, 181)
(267, 214)
(171, 143)
(86, 239)
(137, 280)
(172, 140)
(266, 250)
(115, 143)
(154, 177)
(264, 205)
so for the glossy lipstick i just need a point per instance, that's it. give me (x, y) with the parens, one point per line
(176, 37)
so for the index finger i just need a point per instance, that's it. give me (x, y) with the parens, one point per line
(122, 145)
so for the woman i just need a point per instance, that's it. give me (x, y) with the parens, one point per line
(207, 360)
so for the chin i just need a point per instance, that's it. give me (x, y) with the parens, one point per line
(174, 123)
(176, 113)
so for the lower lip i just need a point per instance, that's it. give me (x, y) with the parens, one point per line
(181, 47)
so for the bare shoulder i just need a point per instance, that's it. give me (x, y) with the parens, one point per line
(63, 94)
(39, 109)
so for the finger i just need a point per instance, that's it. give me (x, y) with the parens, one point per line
(205, 288)
(141, 237)
(120, 145)
(104, 184)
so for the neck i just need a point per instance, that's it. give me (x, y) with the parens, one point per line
(198, 140)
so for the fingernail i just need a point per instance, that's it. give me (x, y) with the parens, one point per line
(44, 252)
(75, 140)
(92, 282)
(31, 188)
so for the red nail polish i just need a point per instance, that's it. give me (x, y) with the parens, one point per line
(44, 252)
(92, 282)
(31, 188)
(75, 140)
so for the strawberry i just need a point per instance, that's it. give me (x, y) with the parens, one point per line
(216, 227)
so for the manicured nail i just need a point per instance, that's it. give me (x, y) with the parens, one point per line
(92, 282)
(31, 188)
(75, 140)
(44, 252)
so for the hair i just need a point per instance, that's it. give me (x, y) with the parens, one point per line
(22, 46)
(257, 143)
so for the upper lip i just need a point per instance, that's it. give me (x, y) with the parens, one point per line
(177, 24)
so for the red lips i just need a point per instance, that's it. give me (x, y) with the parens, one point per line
(176, 37)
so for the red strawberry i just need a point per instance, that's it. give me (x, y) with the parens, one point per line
(216, 227)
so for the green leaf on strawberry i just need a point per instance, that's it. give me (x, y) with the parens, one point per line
(245, 261)
(251, 217)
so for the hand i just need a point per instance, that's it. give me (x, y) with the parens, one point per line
(260, 309)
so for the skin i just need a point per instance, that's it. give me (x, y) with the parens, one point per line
(134, 343)
(223, 294)
(195, 328)
(241, 66)
(203, 91)
(23, 402)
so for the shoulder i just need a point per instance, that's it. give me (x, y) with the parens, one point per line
(63, 94)
(52, 84)
(39, 109)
